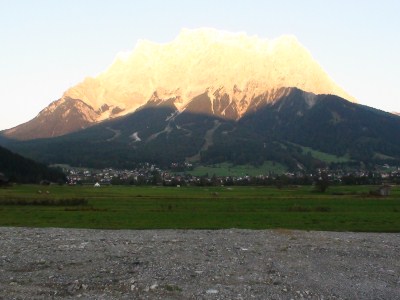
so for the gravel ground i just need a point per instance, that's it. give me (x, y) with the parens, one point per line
(197, 264)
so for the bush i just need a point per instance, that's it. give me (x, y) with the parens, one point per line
(44, 202)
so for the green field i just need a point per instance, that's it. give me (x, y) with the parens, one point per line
(117, 207)
(226, 169)
(326, 157)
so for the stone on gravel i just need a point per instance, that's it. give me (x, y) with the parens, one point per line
(197, 264)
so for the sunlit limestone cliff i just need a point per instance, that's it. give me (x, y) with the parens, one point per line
(231, 73)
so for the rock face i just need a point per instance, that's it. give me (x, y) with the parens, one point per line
(223, 65)
(229, 70)
(60, 117)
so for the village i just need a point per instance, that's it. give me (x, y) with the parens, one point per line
(150, 174)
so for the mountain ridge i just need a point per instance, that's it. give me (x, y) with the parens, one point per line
(216, 57)
(233, 69)
(278, 131)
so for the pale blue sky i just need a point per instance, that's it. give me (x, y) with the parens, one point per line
(46, 46)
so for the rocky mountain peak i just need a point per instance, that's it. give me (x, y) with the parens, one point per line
(232, 69)
(198, 59)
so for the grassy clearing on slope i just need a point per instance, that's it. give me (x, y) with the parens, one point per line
(226, 169)
(326, 157)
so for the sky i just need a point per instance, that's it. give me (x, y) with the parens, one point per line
(47, 46)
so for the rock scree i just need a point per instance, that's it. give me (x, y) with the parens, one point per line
(53, 263)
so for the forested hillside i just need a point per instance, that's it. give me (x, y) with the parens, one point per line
(22, 170)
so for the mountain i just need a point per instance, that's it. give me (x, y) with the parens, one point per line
(61, 116)
(22, 170)
(299, 130)
(231, 73)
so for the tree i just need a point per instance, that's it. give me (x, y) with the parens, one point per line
(156, 177)
(203, 181)
(214, 180)
(321, 182)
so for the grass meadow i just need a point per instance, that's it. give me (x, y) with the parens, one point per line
(341, 208)
(226, 169)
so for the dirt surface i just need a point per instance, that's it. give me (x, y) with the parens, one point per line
(193, 264)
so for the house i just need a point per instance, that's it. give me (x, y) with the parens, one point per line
(385, 190)
(45, 182)
(3, 179)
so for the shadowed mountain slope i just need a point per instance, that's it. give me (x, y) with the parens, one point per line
(158, 132)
